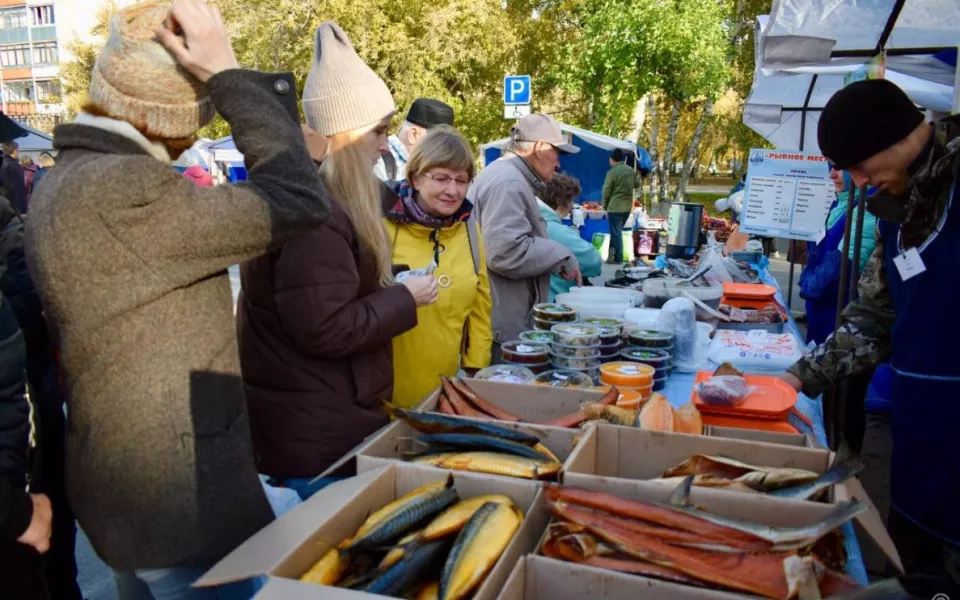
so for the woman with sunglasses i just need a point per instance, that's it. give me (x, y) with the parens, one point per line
(430, 227)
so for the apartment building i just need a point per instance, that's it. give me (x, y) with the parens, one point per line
(29, 61)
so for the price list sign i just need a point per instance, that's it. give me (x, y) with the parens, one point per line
(787, 195)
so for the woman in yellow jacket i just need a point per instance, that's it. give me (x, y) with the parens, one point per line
(430, 228)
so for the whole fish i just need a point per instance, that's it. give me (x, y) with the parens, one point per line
(481, 443)
(453, 519)
(429, 591)
(429, 422)
(384, 513)
(397, 553)
(762, 479)
(477, 548)
(783, 538)
(404, 518)
(493, 463)
(837, 474)
(407, 573)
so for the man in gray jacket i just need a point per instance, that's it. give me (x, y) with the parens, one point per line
(520, 257)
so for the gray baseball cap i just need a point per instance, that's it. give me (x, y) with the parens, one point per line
(539, 127)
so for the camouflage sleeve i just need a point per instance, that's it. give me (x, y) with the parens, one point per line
(864, 338)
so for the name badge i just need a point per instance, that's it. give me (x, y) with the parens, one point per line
(909, 264)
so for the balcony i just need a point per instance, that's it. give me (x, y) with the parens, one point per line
(19, 35)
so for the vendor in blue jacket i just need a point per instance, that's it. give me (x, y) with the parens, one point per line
(556, 205)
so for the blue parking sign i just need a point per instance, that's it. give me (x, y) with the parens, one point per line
(516, 89)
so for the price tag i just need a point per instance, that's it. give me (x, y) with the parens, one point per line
(909, 264)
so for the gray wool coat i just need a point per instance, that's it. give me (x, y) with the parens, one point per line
(130, 260)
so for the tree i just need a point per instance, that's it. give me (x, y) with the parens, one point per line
(75, 74)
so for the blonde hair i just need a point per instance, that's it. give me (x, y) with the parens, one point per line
(45, 160)
(348, 175)
(444, 147)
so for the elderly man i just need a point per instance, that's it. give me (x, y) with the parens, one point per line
(907, 308)
(424, 114)
(520, 256)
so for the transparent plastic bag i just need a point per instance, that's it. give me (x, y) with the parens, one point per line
(723, 390)
(713, 257)
(679, 316)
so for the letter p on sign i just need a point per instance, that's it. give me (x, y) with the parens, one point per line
(516, 89)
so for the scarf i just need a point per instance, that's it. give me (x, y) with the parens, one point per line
(929, 191)
(154, 149)
(407, 210)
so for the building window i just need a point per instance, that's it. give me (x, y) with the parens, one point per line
(42, 15)
(48, 91)
(18, 91)
(45, 53)
(13, 18)
(16, 55)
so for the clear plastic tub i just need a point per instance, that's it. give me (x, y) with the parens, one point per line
(630, 399)
(658, 359)
(650, 338)
(577, 334)
(524, 352)
(506, 373)
(593, 373)
(574, 351)
(541, 325)
(564, 378)
(610, 335)
(656, 292)
(537, 335)
(555, 313)
(659, 383)
(565, 362)
(629, 374)
(604, 322)
(535, 368)
(611, 350)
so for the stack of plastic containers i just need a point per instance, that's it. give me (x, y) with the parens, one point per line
(531, 355)
(576, 347)
(564, 378)
(506, 373)
(653, 348)
(629, 376)
(545, 316)
(611, 337)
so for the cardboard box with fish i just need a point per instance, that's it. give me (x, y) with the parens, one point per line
(401, 530)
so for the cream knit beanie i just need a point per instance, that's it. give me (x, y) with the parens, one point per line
(342, 93)
(135, 79)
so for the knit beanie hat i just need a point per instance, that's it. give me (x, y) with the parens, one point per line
(863, 119)
(135, 79)
(342, 93)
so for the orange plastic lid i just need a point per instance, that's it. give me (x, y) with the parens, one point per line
(752, 291)
(758, 424)
(630, 374)
(772, 399)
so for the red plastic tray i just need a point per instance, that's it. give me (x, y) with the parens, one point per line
(758, 424)
(749, 291)
(772, 401)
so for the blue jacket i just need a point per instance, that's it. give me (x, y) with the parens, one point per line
(591, 264)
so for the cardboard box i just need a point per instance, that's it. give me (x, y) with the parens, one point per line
(397, 442)
(626, 462)
(532, 403)
(289, 546)
(756, 435)
(542, 578)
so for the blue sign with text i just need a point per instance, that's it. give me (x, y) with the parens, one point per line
(516, 89)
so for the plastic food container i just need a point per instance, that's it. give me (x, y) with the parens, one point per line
(536, 335)
(593, 373)
(523, 352)
(656, 292)
(575, 351)
(659, 383)
(629, 374)
(556, 313)
(611, 350)
(565, 379)
(577, 334)
(541, 325)
(658, 359)
(631, 399)
(651, 338)
(564, 362)
(610, 335)
(604, 322)
(506, 373)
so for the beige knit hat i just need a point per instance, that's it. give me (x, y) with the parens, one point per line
(135, 79)
(342, 93)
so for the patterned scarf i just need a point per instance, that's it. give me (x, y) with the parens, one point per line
(929, 190)
(406, 210)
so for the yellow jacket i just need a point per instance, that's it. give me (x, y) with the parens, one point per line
(433, 347)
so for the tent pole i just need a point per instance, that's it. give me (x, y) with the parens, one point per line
(891, 23)
(956, 89)
(791, 253)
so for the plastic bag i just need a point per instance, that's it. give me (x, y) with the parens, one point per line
(723, 390)
(428, 270)
(680, 316)
(713, 256)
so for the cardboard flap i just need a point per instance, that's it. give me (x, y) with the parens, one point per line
(288, 589)
(272, 544)
(871, 521)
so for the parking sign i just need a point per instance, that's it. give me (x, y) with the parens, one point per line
(516, 89)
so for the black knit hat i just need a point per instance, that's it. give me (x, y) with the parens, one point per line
(863, 119)
(427, 113)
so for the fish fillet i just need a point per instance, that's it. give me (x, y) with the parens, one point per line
(657, 414)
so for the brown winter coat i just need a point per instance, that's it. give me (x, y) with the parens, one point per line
(315, 346)
(130, 260)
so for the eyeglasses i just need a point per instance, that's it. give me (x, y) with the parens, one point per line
(831, 166)
(442, 179)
